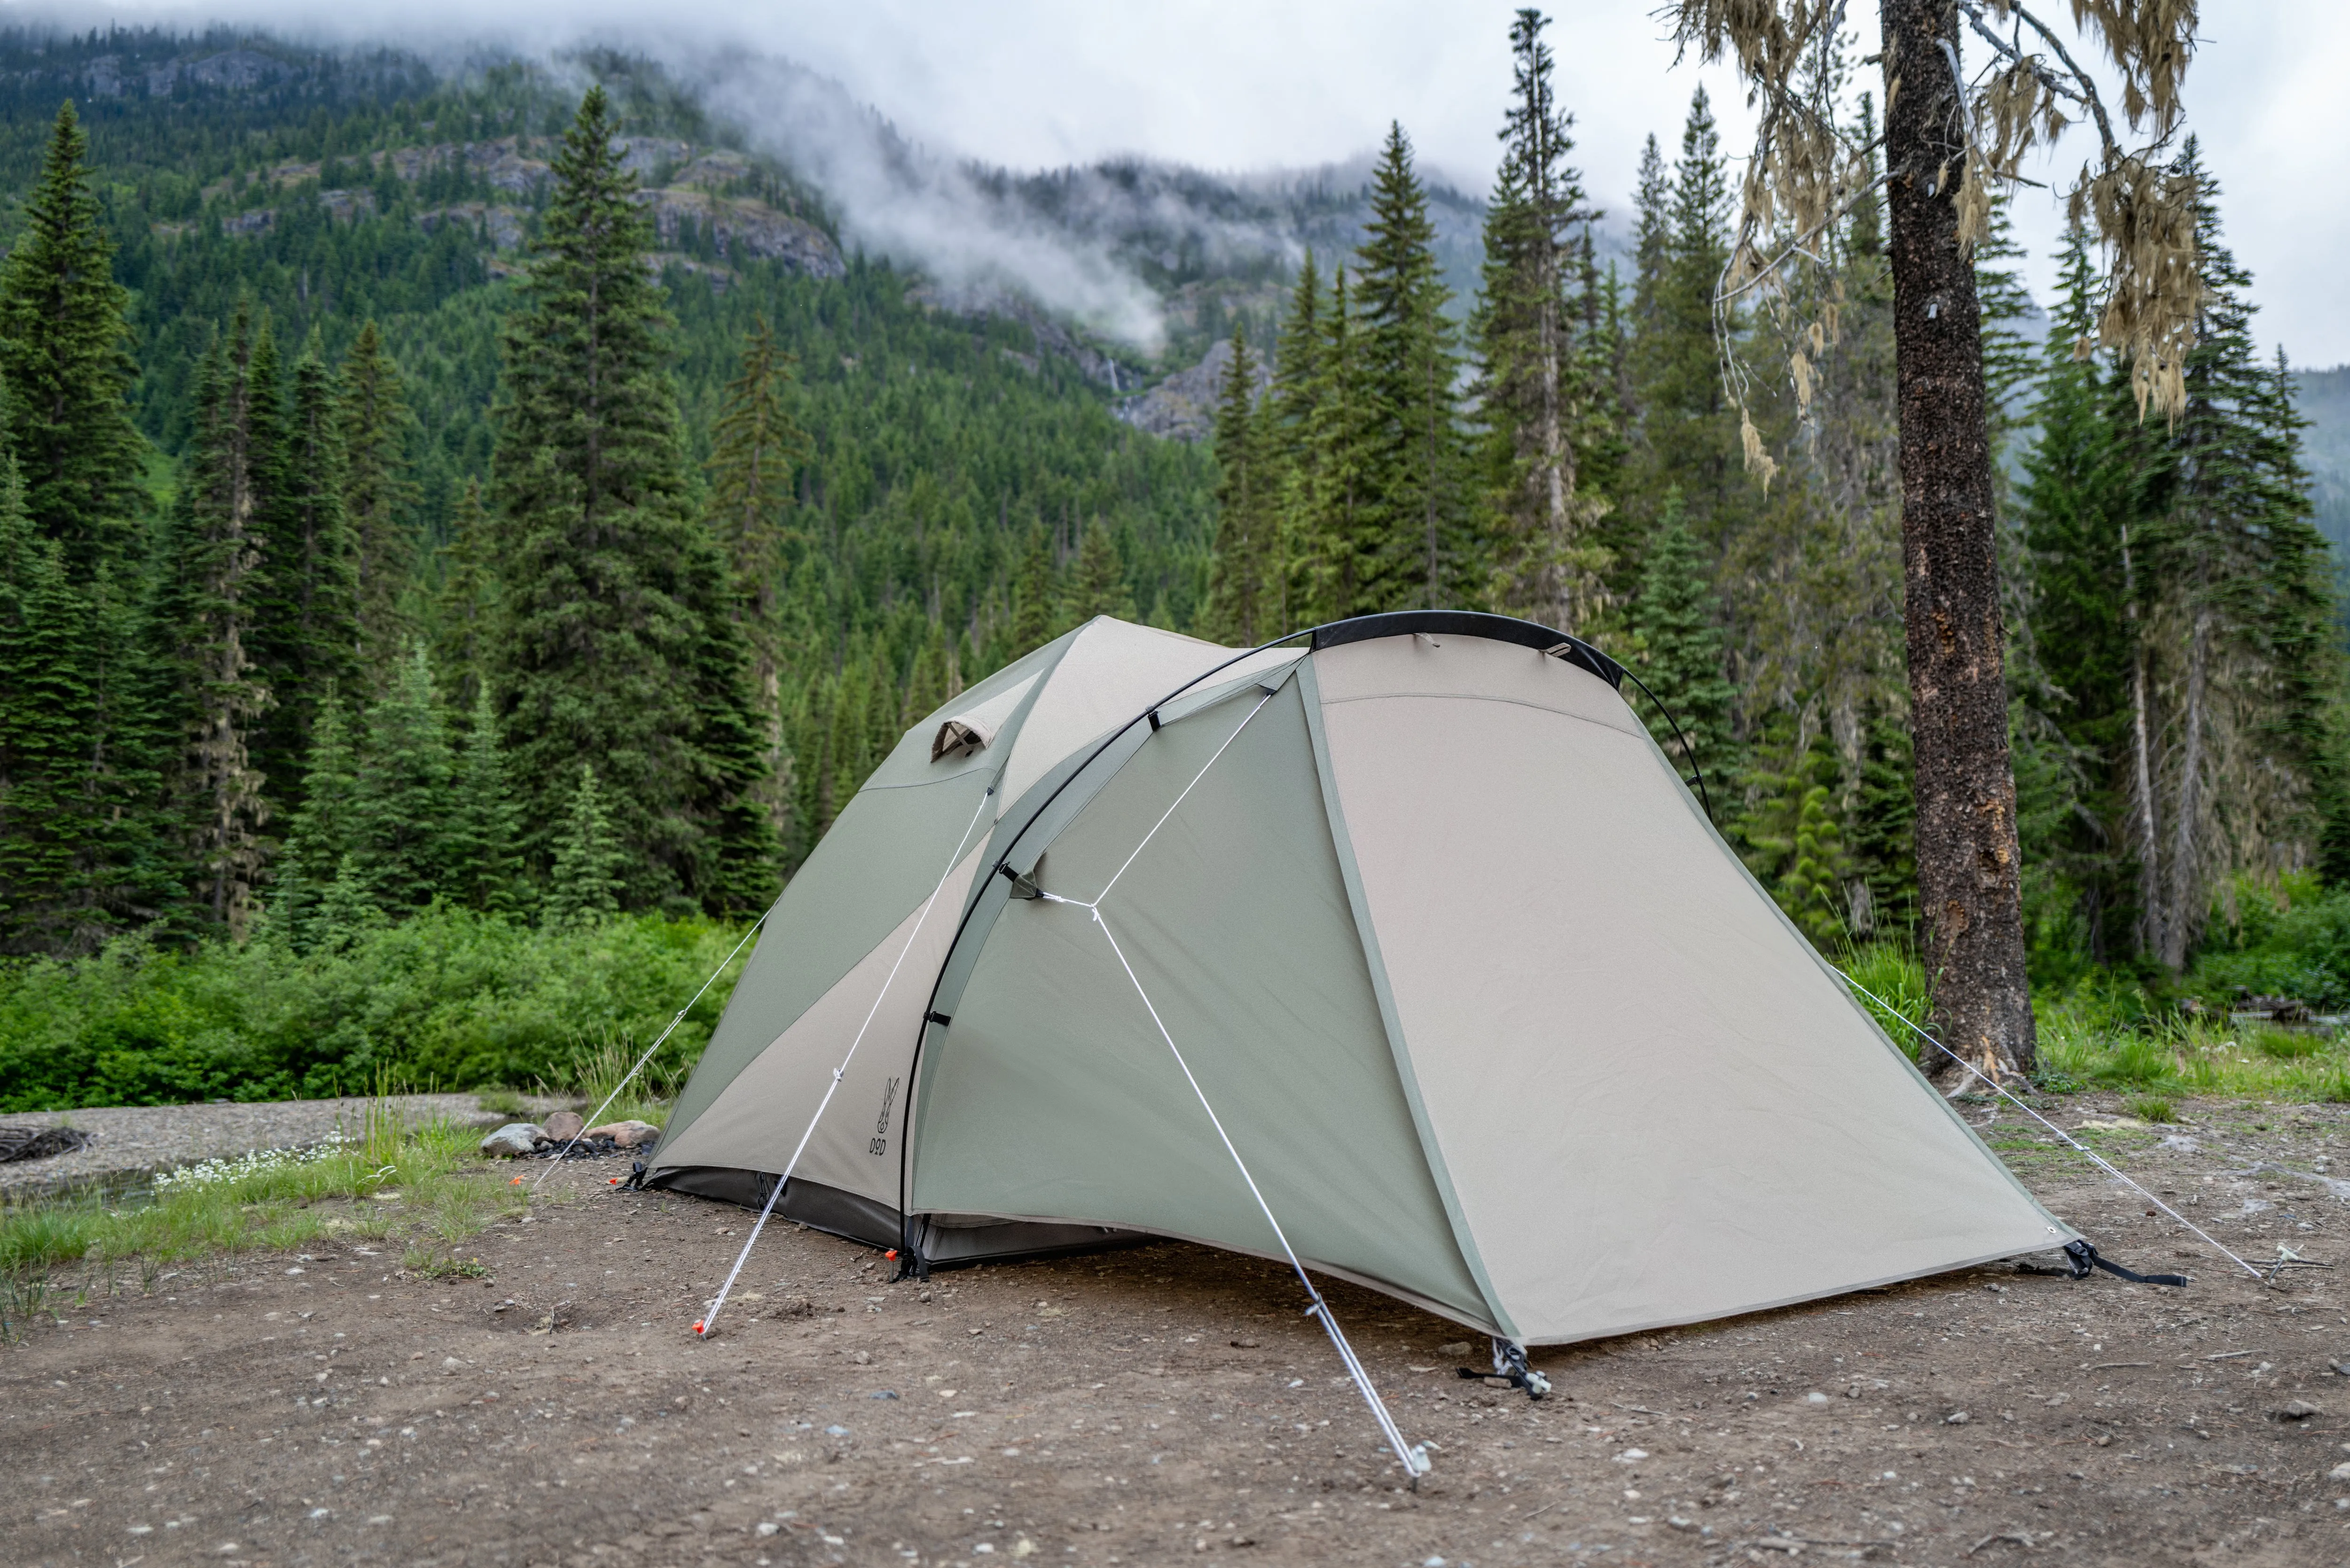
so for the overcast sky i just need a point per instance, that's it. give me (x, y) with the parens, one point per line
(1283, 83)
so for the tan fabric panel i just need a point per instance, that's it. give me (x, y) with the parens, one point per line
(1464, 666)
(1108, 675)
(757, 1119)
(1654, 1104)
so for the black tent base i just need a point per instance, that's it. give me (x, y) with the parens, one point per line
(929, 1240)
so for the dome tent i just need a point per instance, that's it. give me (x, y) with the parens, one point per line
(1406, 952)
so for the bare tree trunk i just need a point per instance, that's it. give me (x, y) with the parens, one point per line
(2180, 929)
(2144, 833)
(1968, 862)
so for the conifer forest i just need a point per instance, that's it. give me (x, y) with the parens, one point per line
(464, 535)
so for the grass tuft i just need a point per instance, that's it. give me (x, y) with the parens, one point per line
(2150, 1108)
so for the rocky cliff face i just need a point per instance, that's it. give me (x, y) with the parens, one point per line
(744, 231)
(1183, 406)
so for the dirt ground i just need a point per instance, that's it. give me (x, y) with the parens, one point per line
(1169, 1403)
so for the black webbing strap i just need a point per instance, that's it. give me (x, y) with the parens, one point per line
(2083, 1257)
(1510, 1366)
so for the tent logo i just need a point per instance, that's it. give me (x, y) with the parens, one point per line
(881, 1144)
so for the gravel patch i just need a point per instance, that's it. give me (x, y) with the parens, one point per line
(133, 1142)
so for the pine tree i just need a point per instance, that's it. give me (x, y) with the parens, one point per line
(1432, 551)
(479, 854)
(201, 620)
(1530, 390)
(1674, 623)
(2076, 505)
(1346, 557)
(377, 495)
(1035, 599)
(1796, 846)
(306, 632)
(318, 840)
(401, 804)
(468, 598)
(45, 706)
(586, 879)
(1098, 584)
(754, 447)
(2226, 599)
(1246, 568)
(615, 636)
(65, 360)
(1690, 433)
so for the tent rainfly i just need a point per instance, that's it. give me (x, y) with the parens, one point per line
(1406, 956)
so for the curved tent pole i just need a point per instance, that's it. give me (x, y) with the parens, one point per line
(1328, 634)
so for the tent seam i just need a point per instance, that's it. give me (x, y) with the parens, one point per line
(1350, 877)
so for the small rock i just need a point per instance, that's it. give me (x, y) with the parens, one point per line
(562, 1126)
(2340, 1472)
(883, 1393)
(626, 1135)
(862, 1358)
(1956, 1419)
(2295, 1410)
(1631, 1455)
(2341, 1366)
(1458, 1348)
(511, 1140)
(1816, 1399)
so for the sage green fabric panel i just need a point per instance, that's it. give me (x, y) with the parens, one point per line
(1053, 1096)
(880, 860)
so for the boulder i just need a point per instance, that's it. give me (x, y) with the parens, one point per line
(562, 1126)
(626, 1135)
(511, 1139)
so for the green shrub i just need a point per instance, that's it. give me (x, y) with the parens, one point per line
(449, 997)
(2150, 1108)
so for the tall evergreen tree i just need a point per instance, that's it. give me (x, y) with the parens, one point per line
(2075, 511)
(1098, 584)
(754, 447)
(45, 706)
(1347, 558)
(468, 597)
(1690, 433)
(1035, 599)
(203, 624)
(1530, 390)
(1432, 553)
(2227, 601)
(1246, 569)
(480, 867)
(377, 495)
(320, 835)
(589, 872)
(1674, 624)
(401, 800)
(615, 636)
(65, 361)
(306, 631)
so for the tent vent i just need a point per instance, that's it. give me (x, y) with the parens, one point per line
(957, 738)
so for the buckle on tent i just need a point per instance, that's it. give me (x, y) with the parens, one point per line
(1510, 1366)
